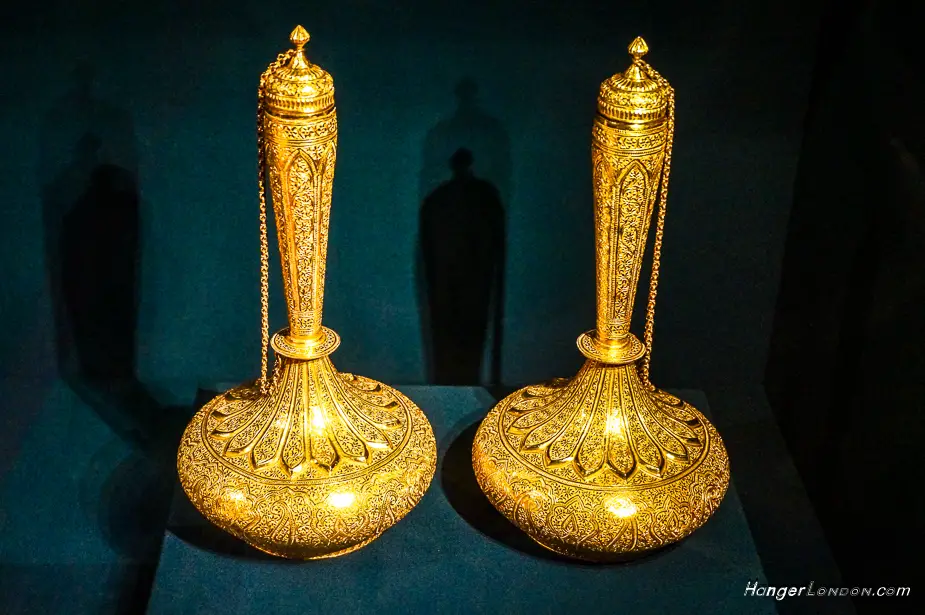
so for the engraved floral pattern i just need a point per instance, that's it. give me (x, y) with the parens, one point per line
(653, 488)
(604, 428)
(254, 466)
(301, 180)
(625, 188)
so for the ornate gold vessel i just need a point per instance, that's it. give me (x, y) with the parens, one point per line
(313, 462)
(604, 466)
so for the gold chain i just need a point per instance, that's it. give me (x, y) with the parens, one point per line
(264, 242)
(659, 228)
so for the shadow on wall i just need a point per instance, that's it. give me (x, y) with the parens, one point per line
(91, 218)
(461, 243)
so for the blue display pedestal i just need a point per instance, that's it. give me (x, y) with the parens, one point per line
(454, 554)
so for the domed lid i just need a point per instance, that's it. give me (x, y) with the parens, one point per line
(633, 95)
(295, 86)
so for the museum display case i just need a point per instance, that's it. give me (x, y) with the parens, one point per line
(457, 252)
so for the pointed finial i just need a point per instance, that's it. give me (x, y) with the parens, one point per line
(300, 36)
(638, 48)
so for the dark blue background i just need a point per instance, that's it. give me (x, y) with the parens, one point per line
(171, 95)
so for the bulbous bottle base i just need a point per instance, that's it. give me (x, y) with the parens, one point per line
(600, 467)
(319, 467)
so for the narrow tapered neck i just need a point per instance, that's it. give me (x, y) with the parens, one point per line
(629, 138)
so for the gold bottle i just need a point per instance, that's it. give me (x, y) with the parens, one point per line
(314, 462)
(604, 466)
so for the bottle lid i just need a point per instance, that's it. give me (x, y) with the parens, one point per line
(295, 86)
(633, 95)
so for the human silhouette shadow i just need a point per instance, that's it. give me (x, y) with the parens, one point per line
(471, 127)
(91, 207)
(461, 243)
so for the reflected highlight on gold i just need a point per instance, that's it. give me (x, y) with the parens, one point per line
(621, 507)
(341, 499)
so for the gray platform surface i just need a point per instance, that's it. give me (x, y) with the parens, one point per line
(454, 554)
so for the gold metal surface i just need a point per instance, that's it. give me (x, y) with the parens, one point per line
(605, 466)
(312, 462)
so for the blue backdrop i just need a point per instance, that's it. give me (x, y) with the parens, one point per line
(167, 93)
